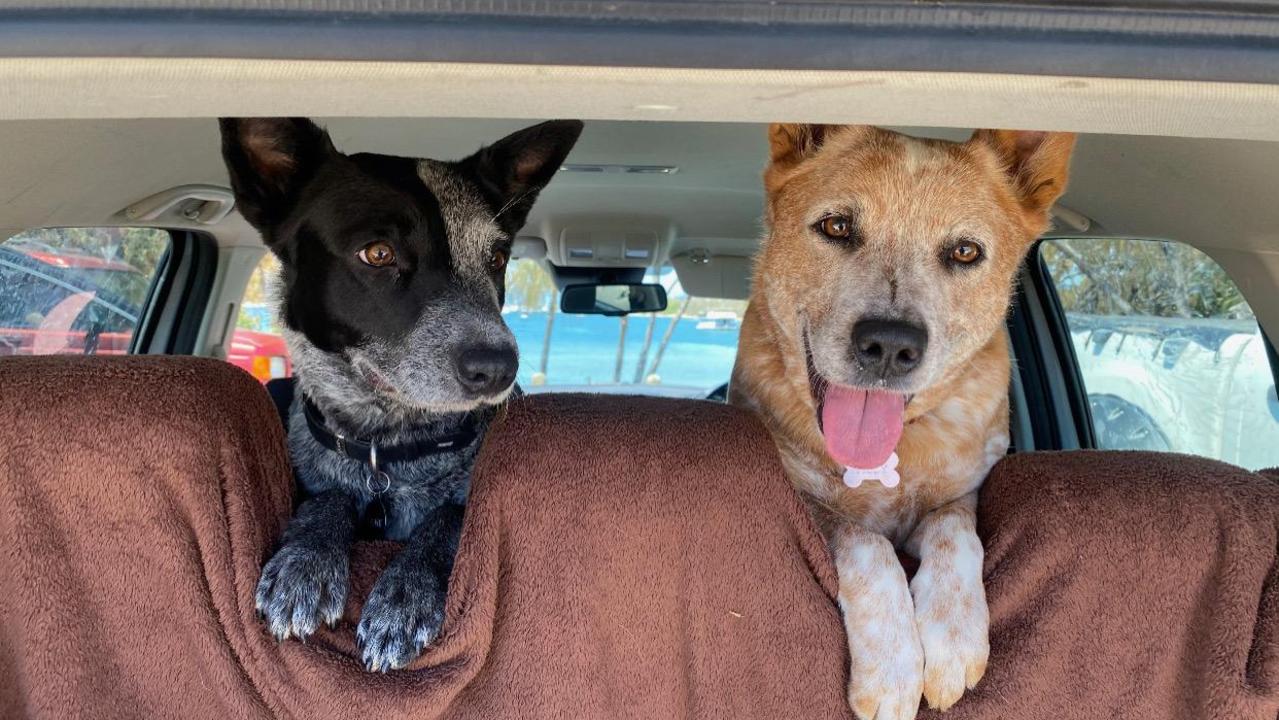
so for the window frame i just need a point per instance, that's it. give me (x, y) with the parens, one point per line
(1049, 374)
(178, 297)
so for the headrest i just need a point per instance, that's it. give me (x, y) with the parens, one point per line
(69, 404)
(621, 557)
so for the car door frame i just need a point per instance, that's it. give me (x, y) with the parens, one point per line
(178, 297)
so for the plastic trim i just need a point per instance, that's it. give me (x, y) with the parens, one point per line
(1171, 40)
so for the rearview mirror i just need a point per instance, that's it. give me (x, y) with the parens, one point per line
(612, 299)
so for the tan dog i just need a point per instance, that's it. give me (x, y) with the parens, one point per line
(876, 322)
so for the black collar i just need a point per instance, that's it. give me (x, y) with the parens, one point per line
(364, 450)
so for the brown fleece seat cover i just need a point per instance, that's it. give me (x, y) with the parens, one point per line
(622, 558)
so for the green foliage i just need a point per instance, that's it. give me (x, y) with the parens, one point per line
(529, 286)
(258, 289)
(258, 293)
(1141, 277)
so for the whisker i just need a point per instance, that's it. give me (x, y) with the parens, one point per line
(510, 203)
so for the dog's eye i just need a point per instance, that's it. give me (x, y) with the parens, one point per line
(835, 227)
(378, 254)
(497, 261)
(965, 252)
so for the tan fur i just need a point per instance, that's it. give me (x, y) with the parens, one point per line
(910, 198)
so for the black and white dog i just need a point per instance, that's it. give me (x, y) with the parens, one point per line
(391, 288)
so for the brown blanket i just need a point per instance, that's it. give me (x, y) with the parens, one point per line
(622, 558)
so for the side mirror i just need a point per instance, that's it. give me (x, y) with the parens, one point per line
(612, 299)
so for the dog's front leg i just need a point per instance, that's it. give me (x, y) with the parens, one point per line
(305, 582)
(950, 601)
(405, 610)
(887, 663)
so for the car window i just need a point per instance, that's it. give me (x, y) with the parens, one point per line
(76, 291)
(258, 345)
(1169, 351)
(685, 351)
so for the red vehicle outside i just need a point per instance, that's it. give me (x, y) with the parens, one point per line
(64, 303)
(264, 355)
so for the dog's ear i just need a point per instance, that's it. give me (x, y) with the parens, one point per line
(514, 169)
(269, 160)
(793, 142)
(1037, 162)
(789, 144)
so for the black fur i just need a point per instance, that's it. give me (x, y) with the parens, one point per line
(378, 350)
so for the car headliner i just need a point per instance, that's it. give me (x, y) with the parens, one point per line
(1216, 194)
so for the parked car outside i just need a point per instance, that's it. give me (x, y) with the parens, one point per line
(1200, 386)
(1170, 353)
(66, 303)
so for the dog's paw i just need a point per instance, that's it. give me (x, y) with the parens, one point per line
(886, 673)
(886, 668)
(887, 662)
(302, 586)
(402, 616)
(954, 629)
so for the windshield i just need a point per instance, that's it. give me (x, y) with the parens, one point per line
(685, 351)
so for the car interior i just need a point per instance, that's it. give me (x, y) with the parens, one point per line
(644, 195)
(664, 187)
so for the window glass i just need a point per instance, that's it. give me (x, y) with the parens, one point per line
(685, 351)
(257, 345)
(1170, 353)
(76, 291)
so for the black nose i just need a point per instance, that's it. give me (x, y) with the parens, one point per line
(888, 348)
(486, 370)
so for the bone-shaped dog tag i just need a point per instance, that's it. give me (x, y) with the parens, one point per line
(886, 474)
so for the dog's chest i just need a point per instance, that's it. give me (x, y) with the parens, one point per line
(933, 473)
(393, 505)
(415, 489)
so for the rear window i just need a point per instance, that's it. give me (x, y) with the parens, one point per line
(78, 291)
(1169, 351)
(686, 350)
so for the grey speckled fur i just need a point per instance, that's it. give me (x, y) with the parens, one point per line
(389, 352)
(305, 583)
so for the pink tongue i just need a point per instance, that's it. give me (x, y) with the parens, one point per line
(861, 427)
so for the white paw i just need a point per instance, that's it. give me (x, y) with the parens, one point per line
(886, 676)
(886, 673)
(954, 630)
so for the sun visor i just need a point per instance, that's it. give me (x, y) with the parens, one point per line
(528, 246)
(702, 274)
(607, 241)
